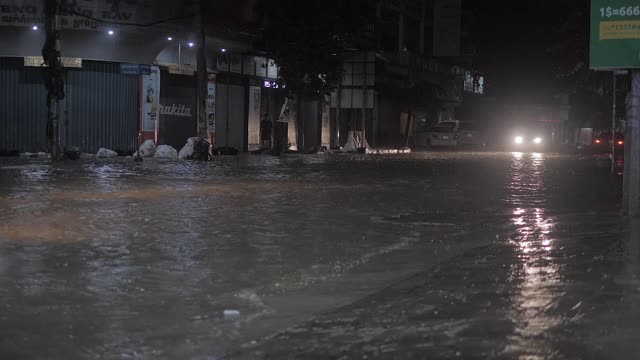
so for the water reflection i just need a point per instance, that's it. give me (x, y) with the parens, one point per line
(535, 269)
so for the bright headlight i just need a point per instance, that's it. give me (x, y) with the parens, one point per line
(518, 140)
(537, 140)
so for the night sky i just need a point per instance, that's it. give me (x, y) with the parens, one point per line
(513, 38)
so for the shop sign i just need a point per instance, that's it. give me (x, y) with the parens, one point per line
(38, 61)
(180, 110)
(271, 84)
(86, 15)
(135, 69)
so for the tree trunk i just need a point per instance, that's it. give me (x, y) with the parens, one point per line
(202, 77)
(408, 128)
(54, 81)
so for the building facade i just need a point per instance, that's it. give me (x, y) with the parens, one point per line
(123, 79)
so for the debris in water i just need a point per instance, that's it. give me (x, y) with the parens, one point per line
(231, 314)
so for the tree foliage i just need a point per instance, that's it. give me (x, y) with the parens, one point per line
(569, 52)
(306, 37)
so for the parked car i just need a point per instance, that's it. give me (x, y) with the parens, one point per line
(602, 142)
(443, 134)
(470, 134)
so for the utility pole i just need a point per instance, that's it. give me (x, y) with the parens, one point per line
(54, 81)
(613, 127)
(631, 203)
(202, 92)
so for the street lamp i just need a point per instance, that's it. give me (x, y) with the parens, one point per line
(190, 44)
(169, 38)
(35, 27)
(110, 32)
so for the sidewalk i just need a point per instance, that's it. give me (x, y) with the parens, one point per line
(556, 287)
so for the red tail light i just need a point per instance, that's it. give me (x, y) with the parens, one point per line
(620, 142)
(597, 141)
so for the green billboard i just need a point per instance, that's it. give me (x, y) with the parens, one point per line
(615, 34)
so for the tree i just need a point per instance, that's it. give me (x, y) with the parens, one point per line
(569, 53)
(306, 37)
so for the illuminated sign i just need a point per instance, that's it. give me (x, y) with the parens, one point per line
(271, 84)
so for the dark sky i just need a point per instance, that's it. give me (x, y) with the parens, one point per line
(513, 38)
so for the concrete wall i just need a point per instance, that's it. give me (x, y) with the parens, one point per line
(388, 122)
(311, 122)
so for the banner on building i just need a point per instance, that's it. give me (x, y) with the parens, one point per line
(254, 117)
(150, 100)
(446, 27)
(211, 104)
(284, 112)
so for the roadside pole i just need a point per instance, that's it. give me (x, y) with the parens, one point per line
(613, 127)
(201, 75)
(631, 186)
(54, 81)
(614, 43)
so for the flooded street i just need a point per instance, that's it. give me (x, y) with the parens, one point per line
(429, 254)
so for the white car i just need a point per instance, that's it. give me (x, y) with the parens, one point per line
(443, 134)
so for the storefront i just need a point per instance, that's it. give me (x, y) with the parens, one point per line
(100, 108)
(178, 114)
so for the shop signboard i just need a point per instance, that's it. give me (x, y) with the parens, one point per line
(68, 62)
(85, 15)
(615, 34)
(135, 69)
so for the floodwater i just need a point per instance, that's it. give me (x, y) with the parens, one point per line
(166, 260)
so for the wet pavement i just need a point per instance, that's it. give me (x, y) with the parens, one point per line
(433, 255)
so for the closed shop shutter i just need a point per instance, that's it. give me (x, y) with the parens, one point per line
(231, 127)
(23, 107)
(178, 109)
(101, 108)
